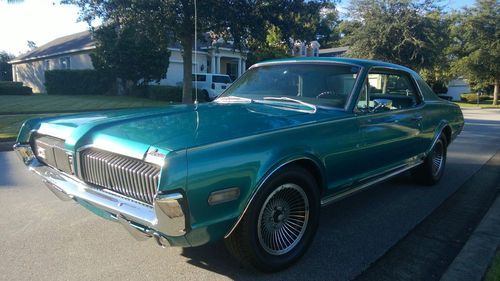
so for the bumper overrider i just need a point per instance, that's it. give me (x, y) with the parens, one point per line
(165, 221)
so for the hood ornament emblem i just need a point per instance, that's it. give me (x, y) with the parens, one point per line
(155, 156)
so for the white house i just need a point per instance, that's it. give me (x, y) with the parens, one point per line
(456, 87)
(72, 52)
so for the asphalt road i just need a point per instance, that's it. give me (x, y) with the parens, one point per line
(42, 238)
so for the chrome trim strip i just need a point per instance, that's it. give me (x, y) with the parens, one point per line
(351, 191)
(436, 137)
(295, 61)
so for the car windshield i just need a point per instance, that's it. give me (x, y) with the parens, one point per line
(317, 84)
(221, 79)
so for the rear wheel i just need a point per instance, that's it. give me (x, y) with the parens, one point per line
(431, 171)
(280, 223)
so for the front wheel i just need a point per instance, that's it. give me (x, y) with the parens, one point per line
(431, 171)
(280, 223)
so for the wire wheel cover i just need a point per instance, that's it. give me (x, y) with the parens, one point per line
(283, 219)
(437, 158)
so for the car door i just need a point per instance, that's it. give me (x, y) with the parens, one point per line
(389, 120)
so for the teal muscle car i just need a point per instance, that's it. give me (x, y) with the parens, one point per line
(254, 166)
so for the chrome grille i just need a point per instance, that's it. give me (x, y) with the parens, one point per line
(127, 176)
(50, 151)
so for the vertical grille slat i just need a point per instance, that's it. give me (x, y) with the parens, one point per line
(50, 151)
(127, 176)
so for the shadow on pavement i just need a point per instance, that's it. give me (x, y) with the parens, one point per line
(7, 171)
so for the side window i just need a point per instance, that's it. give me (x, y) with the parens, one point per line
(386, 91)
(200, 78)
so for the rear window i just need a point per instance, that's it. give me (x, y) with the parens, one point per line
(199, 78)
(221, 79)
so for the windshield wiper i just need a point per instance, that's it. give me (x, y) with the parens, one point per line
(233, 99)
(288, 101)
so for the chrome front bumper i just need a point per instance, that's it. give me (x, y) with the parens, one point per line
(167, 216)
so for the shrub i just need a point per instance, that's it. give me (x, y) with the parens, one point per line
(14, 88)
(77, 82)
(472, 98)
(165, 93)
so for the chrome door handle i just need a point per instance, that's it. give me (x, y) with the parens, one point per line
(417, 118)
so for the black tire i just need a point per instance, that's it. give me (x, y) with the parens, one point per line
(431, 171)
(250, 242)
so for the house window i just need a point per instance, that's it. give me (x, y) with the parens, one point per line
(65, 63)
(315, 52)
(46, 65)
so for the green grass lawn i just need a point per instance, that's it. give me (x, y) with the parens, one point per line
(494, 271)
(10, 124)
(45, 105)
(54, 104)
(482, 104)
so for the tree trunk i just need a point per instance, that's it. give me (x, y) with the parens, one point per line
(496, 91)
(120, 87)
(187, 58)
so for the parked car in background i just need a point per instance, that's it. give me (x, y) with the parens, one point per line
(254, 166)
(210, 85)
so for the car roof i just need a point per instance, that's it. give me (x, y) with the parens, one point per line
(360, 62)
(213, 74)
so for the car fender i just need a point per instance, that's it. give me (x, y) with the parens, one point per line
(271, 171)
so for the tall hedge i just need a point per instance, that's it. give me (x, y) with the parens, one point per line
(14, 88)
(76, 82)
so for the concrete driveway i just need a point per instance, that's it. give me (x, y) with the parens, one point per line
(42, 238)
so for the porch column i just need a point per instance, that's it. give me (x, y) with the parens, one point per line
(217, 69)
(243, 66)
(239, 67)
(212, 64)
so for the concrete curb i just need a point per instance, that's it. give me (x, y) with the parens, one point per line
(6, 145)
(475, 257)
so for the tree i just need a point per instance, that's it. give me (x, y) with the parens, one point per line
(328, 28)
(272, 48)
(235, 20)
(131, 52)
(5, 67)
(476, 45)
(31, 45)
(407, 32)
(281, 21)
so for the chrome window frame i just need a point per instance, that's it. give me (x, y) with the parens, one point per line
(418, 91)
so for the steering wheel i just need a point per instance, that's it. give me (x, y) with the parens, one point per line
(326, 94)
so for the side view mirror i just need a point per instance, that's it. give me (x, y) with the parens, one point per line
(381, 104)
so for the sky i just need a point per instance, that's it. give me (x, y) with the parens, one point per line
(42, 21)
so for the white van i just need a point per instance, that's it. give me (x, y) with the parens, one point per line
(211, 85)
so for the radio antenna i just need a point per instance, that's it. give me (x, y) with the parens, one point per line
(195, 53)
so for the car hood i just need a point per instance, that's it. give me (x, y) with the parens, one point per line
(174, 127)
